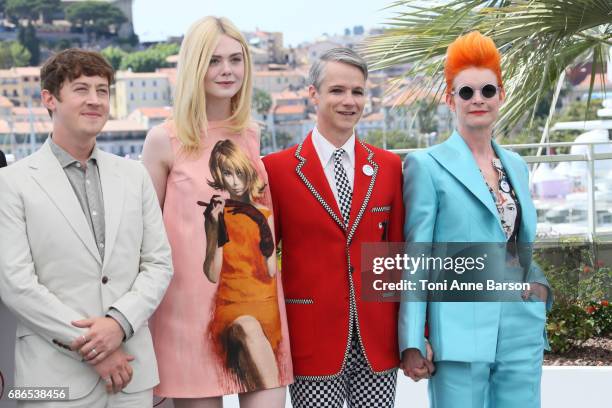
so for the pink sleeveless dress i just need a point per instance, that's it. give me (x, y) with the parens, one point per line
(198, 345)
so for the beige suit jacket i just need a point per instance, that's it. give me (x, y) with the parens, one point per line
(51, 272)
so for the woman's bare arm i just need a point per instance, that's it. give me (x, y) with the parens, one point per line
(157, 157)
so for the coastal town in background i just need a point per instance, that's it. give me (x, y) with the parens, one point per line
(565, 136)
(32, 30)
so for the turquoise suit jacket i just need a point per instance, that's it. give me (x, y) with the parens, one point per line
(447, 200)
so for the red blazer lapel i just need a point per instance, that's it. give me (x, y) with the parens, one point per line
(366, 170)
(310, 171)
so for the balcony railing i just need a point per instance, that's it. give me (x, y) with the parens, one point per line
(572, 191)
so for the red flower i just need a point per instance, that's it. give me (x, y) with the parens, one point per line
(590, 309)
(600, 263)
(604, 303)
(587, 269)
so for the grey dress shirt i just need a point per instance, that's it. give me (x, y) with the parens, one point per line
(85, 182)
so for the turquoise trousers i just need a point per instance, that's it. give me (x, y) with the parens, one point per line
(512, 380)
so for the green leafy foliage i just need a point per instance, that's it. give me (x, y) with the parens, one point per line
(539, 40)
(27, 37)
(601, 315)
(46, 8)
(581, 288)
(21, 9)
(28, 9)
(393, 139)
(150, 59)
(95, 17)
(13, 54)
(262, 101)
(568, 325)
(114, 55)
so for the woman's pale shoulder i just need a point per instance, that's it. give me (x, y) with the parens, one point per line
(159, 139)
(254, 128)
(161, 134)
(163, 130)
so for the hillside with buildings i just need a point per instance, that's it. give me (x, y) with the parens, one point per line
(141, 100)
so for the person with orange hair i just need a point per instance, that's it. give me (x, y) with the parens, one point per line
(470, 190)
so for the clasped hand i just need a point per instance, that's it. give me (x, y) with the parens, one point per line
(415, 365)
(100, 348)
(538, 290)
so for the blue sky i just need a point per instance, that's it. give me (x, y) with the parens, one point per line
(299, 20)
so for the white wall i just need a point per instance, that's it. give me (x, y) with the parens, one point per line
(562, 387)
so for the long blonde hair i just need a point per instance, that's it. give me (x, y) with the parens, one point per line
(189, 112)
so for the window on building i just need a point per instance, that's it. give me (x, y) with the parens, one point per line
(155, 95)
(131, 84)
(26, 79)
(154, 83)
(131, 96)
(5, 92)
(15, 92)
(144, 83)
(144, 96)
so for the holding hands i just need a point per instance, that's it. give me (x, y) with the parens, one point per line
(415, 365)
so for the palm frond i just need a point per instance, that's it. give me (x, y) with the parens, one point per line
(539, 40)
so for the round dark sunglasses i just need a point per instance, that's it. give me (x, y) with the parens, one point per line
(467, 92)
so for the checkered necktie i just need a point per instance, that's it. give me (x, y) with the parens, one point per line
(342, 185)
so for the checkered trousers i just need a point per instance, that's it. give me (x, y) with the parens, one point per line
(357, 385)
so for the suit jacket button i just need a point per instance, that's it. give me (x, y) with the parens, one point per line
(104, 280)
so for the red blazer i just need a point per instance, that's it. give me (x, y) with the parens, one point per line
(321, 260)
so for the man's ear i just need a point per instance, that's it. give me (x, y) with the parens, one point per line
(313, 94)
(48, 100)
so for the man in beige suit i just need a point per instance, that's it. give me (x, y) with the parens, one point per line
(84, 259)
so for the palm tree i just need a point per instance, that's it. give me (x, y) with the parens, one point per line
(539, 40)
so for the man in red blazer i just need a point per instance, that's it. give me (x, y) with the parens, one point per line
(332, 193)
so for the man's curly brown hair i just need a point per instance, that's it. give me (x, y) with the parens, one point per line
(70, 64)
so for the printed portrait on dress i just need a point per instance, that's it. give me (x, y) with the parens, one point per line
(245, 325)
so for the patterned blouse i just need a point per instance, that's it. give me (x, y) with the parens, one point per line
(507, 204)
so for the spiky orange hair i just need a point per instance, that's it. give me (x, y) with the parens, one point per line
(471, 50)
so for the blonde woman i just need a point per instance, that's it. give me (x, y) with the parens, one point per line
(216, 333)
